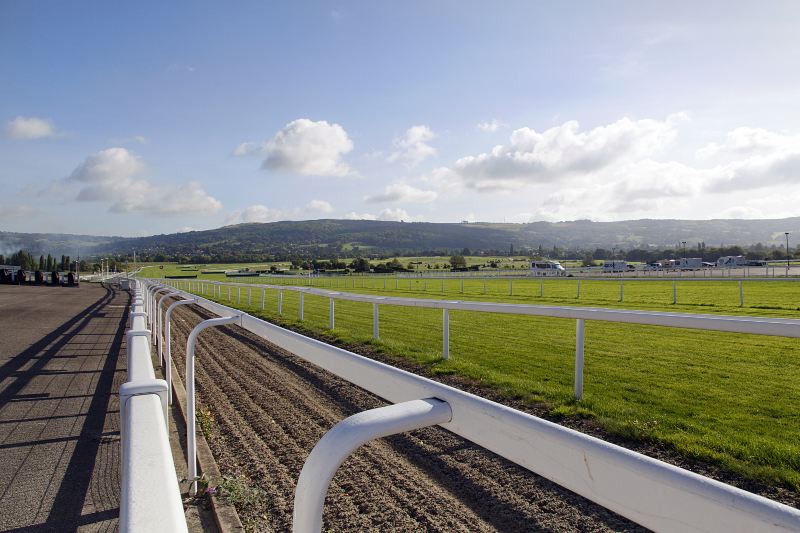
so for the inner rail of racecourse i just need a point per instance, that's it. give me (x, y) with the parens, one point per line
(647, 491)
(150, 498)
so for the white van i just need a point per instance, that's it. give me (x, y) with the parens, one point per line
(547, 268)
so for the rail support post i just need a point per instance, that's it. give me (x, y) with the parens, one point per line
(674, 292)
(160, 325)
(445, 333)
(579, 359)
(191, 419)
(345, 438)
(301, 305)
(511, 287)
(375, 321)
(248, 295)
(142, 387)
(280, 302)
(168, 344)
(263, 290)
(330, 316)
(229, 293)
(621, 290)
(741, 294)
(579, 290)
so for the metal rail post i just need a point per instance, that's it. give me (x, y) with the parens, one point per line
(345, 438)
(229, 293)
(579, 289)
(191, 418)
(160, 325)
(301, 305)
(579, 359)
(621, 290)
(445, 333)
(280, 301)
(741, 294)
(674, 292)
(511, 287)
(263, 291)
(248, 295)
(375, 321)
(168, 343)
(541, 288)
(330, 316)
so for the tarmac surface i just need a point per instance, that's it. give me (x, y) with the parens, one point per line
(60, 369)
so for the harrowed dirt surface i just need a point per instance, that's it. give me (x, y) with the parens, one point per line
(269, 408)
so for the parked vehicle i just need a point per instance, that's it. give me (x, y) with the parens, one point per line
(689, 263)
(547, 269)
(615, 266)
(757, 263)
(732, 261)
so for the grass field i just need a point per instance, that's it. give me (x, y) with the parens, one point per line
(731, 399)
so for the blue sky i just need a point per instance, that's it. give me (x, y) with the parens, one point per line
(142, 118)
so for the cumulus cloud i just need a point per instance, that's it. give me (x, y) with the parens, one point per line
(413, 147)
(564, 151)
(254, 213)
(319, 206)
(113, 176)
(14, 211)
(388, 214)
(262, 213)
(305, 148)
(403, 192)
(490, 126)
(28, 128)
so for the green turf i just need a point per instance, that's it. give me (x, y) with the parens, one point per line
(731, 399)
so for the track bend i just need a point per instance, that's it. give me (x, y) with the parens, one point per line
(270, 408)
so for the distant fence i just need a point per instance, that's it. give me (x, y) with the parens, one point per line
(650, 492)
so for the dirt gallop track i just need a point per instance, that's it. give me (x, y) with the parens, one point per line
(269, 409)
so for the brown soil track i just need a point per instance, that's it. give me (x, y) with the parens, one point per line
(270, 408)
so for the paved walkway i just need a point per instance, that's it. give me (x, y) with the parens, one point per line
(60, 368)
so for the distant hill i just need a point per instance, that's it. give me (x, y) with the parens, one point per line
(337, 237)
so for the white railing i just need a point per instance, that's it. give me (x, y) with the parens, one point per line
(780, 327)
(648, 491)
(150, 498)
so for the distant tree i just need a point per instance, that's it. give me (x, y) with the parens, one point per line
(466, 252)
(360, 264)
(458, 261)
(41, 262)
(588, 260)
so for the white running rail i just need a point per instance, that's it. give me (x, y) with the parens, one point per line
(150, 498)
(649, 492)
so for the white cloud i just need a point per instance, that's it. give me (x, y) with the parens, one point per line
(352, 215)
(27, 128)
(403, 192)
(262, 213)
(305, 148)
(564, 151)
(413, 147)
(386, 214)
(254, 213)
(319, 206)
(113, 176)
(249, 148)
(490, 126)
(14, 211)
(746, 141)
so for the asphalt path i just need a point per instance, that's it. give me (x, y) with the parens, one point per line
(60, 369)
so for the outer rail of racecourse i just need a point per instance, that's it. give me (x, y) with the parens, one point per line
(650, 492)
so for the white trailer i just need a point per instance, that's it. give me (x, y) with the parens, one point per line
(615, 266)
(547, 269)
(689, 263)
(732, 261)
